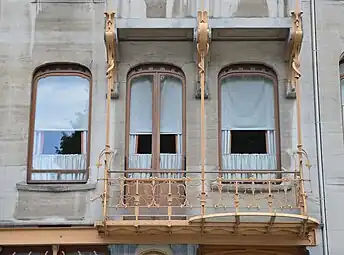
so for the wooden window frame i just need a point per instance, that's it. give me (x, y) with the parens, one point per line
(57, 69)
(239, 70)
(156, 71)
(341, 79)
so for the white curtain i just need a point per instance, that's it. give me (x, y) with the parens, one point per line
(140, 123)
(62, 106)
(171, 122)
(247, 103)
(171, 111)
(141, 105)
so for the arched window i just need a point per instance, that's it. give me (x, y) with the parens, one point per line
(248, 115)
(341, 73)
(155, 120)
(153, 252)
(59, 127)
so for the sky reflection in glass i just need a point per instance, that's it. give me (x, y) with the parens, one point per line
(62, 103)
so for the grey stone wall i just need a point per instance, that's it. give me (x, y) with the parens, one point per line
(32, 34)
(330, 35)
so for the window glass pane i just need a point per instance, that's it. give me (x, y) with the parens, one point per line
(341, 68)
(168, 144)
(60, 142)
(141, 105)
(61, 125)
(248, 123)
(140, 136)
(171, 105)
(342, 90)
(144, 144)
(171, 123)
(62, 103)
(249, 142)
(247, 102)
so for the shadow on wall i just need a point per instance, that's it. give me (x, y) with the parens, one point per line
(249, 8)
(188, 8)
(158, 8)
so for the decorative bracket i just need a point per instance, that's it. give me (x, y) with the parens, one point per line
(110, 38)
(55, 248)
(293, 54)
(203, 43)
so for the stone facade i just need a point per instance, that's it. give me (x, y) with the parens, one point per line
(36, 32)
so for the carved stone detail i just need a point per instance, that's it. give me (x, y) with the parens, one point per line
(293, 55)
(111, 44)
(203, 38)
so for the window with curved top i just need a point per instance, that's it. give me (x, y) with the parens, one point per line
(341, 72)
(60, 124)
(155, 122)
(153, 252)
(249, 132)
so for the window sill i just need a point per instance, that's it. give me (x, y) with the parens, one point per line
(23, 186)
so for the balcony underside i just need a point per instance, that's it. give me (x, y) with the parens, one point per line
(249, 228)
(222, 29)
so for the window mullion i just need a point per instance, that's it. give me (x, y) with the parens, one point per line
(155, 124)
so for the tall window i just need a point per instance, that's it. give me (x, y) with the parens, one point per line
(341, 72)
(248, 103)
(155, 125)
(59, 129)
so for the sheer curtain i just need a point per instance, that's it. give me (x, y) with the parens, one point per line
(171, 122)
(140, 123)
(247, 103)
(62, 108)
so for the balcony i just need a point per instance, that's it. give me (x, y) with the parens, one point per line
(149, 19)
(250, 200)
(208, 207)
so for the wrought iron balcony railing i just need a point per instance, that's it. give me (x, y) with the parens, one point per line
(231, 202)
(177, 195)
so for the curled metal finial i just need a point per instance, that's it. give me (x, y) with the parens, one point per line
(294, 49)
(202, 39)
(110, 43)
(203, 35)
